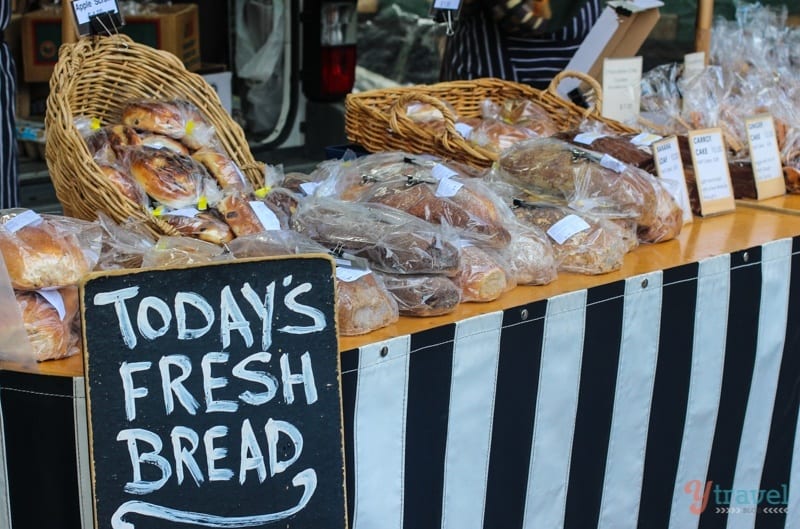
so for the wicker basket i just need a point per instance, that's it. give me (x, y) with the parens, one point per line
(94, 78)
(377, 119)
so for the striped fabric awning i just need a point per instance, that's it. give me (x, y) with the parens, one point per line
(669, 400)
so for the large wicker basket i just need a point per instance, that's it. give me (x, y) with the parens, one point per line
(94, 78)
(377, 119)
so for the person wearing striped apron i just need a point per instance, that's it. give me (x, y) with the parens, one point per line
(9, 177)
(527, 41)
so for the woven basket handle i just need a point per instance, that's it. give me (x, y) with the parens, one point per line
(594, 96)
(451, 140)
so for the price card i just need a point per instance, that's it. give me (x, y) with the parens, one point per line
(765, 157)
(106, 12)
(694, 64)
(622, 88)
(710, 163)
(669, 168)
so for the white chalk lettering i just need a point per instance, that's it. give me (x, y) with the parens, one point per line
(263, 309)
(118, 298)
(274, 429)
(306, 378)
(143, 318)
(290, 300)
(251, 457)
(211, 383)
(214, 454)
(194, 300)
(131, 392)
(231, 318)
(138, 485)
(174, 386)
(259, 377)
(185, 457)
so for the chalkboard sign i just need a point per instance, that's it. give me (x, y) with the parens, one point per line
(214, 396)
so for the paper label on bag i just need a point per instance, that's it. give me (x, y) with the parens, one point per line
(765, 156)
(609, 162)
(566, 228)
(309, 187)
(669, 168)
(463, 129)
(587, 138)
(448, 187)
(183, 212)
(441, 172)
(694, 64)
(645, 139)
(711, 171)
(348, 274)
(54, 298)
(622, 88)
(266, 216)
(26, 218)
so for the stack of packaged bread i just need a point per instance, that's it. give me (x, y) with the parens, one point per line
(45, 257)
(411, 235)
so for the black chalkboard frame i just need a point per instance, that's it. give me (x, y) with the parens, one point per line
(324, 268)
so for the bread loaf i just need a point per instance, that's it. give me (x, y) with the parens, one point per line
(172, 179)
(363, 305)
(593, 184)
(422, 294)
(203, 225)
(481, 277)
(177, 119)
(50, 252)
(392, 240)
(53, 332)
(582, 244)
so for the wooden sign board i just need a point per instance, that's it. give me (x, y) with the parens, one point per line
(765, 157)
(710, 161)
(214, 396)
(669, 167)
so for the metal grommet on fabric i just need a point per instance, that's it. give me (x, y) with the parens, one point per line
(745, 257)
(523, 314)
(384, 351)
(645, 282)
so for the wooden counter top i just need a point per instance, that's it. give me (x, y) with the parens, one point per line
(706, 237)
(789, 204)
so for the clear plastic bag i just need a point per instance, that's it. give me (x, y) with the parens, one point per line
(390, 239)
(482, 276)
(422, 295)
(175, 118)
(51, 322)
(47, 251)
(592, 183)
(581, 244)
(181, 251)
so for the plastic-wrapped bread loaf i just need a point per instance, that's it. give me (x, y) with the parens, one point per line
(390, 239)
(46, 251)
(203, 225)
(363, 303)
(422, 294)
(529, 256)
(593, 183)
(582, 244)
(177, 119)
(481, 276)
(51, 322)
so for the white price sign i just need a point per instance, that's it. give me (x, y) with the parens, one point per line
(669, 168)
(622, 89)
(765, 157)
(84, 10)
(710, 162)
(451, 5)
